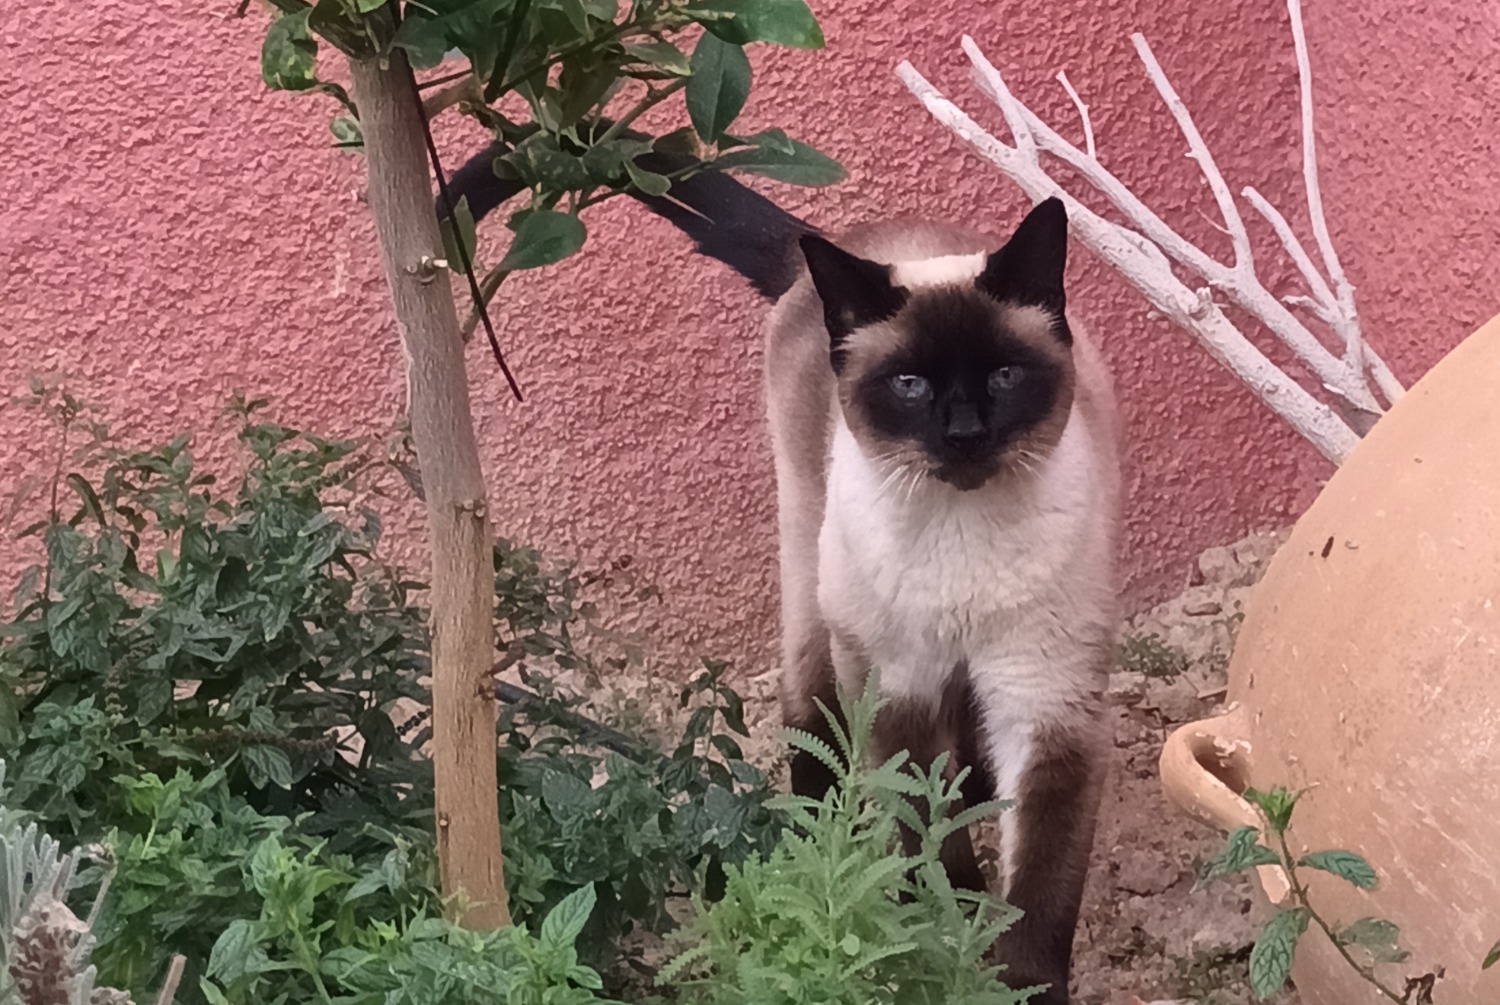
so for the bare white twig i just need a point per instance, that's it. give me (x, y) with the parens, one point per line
(1151, 274)
(1083, 112)
(1244, 261)
(1142, 254)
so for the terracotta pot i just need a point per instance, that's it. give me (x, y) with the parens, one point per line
(1368, 667)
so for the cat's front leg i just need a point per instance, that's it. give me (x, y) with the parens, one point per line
(1053, 772)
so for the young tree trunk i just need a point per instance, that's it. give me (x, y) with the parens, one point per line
(463, 711)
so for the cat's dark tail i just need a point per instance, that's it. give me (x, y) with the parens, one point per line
(726, 220)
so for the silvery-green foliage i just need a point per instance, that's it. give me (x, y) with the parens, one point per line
(44, 946)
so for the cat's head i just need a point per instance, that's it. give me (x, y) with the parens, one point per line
(958, 368)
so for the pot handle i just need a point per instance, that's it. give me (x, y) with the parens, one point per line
(1205, 765)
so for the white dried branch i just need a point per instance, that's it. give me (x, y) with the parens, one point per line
(1239, 237)
(1083, 112)
(1238, 282)
(1149, 272)
(1143, 253)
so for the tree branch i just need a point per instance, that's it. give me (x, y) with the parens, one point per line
(1142, 252)
(442, 429)
(1148, 272)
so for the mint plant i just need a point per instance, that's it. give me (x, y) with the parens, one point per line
(189, 666)
(1365, 944)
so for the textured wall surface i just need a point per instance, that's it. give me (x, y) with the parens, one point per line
(171, 232)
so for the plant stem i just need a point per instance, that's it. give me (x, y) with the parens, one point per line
(678, 175)
(310, 964)
(1299, 892)
(618, 31)
(651, 100)
(487, 290)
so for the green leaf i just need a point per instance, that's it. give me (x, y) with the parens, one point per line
(1346, 865)
(780, 22)
(1493, 957)
(768, 157)
(1242, 851)
(1277, 804)
(1376, 936)
(1275, 947)
(543, 237)
(289, 56)
(648, 182)
(662, 55)
(605, 162)
(268, 766)
(233, 951)
(719, 86)
(460, 245)
(565, 922)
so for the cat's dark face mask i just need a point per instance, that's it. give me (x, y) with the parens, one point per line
(961, 380)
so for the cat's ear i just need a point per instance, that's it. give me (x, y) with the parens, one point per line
(855, 292)
(1029, 268)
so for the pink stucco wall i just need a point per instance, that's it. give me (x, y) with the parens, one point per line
(171, 232)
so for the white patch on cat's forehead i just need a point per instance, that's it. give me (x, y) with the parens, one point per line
(939, 271)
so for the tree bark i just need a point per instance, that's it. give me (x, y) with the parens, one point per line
(442, 426)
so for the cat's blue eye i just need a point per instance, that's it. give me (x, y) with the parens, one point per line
(909, 387)
(1007, 378)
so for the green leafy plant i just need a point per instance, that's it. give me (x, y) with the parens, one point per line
(311, 934)
(1151, 655)
(836, 913)
(586, 72)
(45, 949)
(172, 624)
(203, 663)
(314, 940)
(639, 826)
(1364, 944)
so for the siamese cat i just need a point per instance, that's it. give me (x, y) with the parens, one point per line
(948, 498)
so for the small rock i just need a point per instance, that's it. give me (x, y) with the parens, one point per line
(1126, 690)
(1175, 700)
(1206, 609)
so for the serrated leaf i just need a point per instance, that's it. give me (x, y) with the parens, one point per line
(1276, 803)
(543, 237)
(1275, 948)
(566, 796)
(268, 766)
(1241, 851)
(769, 158)
(779, 22)
(565, 922)
(1346, 865)
(233, 950)
(289, 56)
(719, 86)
